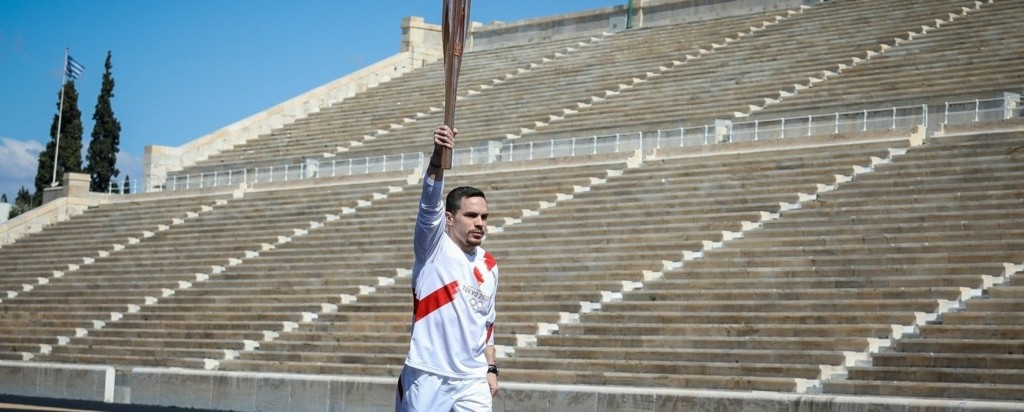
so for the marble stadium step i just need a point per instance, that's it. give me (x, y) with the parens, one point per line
(539, 297)
(938, 246)
(282, 349)
(118, 332)
(36, 318)
(776, 356)
(555, 268)
(779, 306)
(922, 190)
(521, 366)
(847, 273)
(993, 304)
(832, 205)
(925, 390)
(126, 361)
(315, 289)
(404, 317)
(787, 318)
(997, 376)
(393, 356)
(923, 221)
(243, 316)
(975, 178)
(814, 230)
(599, 255)
(513, 285)
(984, 318)
(947, 361)
(342, 337)
(965, 258)
(503, 306)
(683, 231)
(656, 292)
(140, 344)
(138, 285)
(1010, 290)
(742, 383)
(132, 324)
(958, 331)
(968, 346)
(254, 309)
(357, 365)
(680, 215)
(710, 343)
(541, 277)
(588, 328)
(142, 353)
(325, 329)
(741, 281)
(755, 241)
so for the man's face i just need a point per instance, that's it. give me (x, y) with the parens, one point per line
(468, 225)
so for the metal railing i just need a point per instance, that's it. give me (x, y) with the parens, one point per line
(963, 112)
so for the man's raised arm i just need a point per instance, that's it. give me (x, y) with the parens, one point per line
(430, 218)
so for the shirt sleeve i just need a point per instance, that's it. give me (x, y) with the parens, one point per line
(430, 221)
(492, 314)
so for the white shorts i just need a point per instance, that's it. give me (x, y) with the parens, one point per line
(420, 391)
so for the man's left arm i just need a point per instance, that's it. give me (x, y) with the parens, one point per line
(492, 378)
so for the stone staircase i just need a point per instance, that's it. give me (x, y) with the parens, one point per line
(975, 43)
(764, 64)
(641, 229)
(971, 185)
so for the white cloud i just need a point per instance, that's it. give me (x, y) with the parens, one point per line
(129, 164)
(20, 157)
(19, 160)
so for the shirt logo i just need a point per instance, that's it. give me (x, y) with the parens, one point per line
(477, 299)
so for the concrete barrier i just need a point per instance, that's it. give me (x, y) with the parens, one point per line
(250, 391)
(56, 380)
(245, 391)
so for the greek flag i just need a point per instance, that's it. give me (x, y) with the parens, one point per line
(73, 69)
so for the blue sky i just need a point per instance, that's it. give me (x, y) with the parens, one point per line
(185, 68)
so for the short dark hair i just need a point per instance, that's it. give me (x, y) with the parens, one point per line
(453, 202)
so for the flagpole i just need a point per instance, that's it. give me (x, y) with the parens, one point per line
(60, 114)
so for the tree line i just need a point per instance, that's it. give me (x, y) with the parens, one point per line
(101, 154)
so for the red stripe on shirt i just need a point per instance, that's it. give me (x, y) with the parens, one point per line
(490, 262)
(490, 331)
(435, 300)
(489, 259)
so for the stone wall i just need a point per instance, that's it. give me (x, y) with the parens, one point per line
(60, 203)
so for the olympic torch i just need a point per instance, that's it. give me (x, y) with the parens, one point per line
(454, 25)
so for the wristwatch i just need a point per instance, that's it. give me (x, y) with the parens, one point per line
(492, 369)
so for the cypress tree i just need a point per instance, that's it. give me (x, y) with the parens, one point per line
(22, 202)
(106, 137)
(70, 157)
(126, 188)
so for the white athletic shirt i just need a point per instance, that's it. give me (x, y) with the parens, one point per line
(453, 306)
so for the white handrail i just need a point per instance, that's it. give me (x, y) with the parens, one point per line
(888, 118)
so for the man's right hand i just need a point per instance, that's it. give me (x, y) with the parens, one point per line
(444, 137)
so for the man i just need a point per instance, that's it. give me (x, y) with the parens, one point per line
(450, 366)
